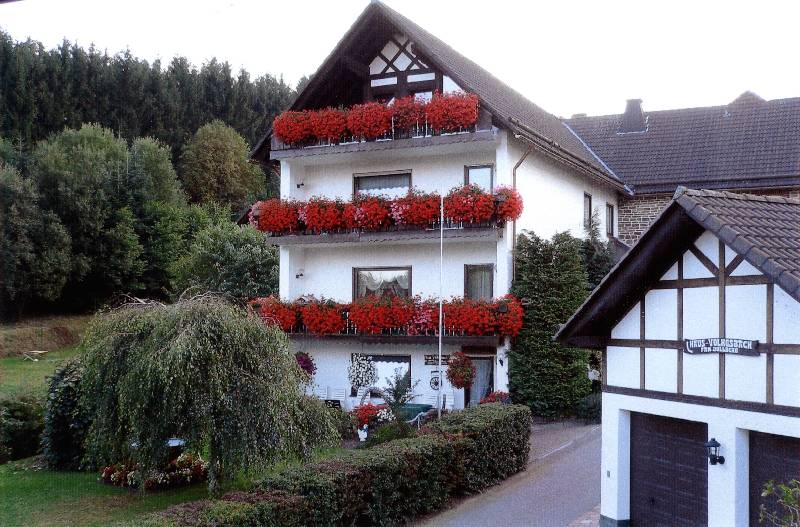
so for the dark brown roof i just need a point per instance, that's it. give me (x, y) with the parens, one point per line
(749, 143)
(507, 105)
(765, 231)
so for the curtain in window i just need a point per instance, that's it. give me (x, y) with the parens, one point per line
(391, 282)
(391, 185)
(482, 384)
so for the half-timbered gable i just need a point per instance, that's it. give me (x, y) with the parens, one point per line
(699, 325)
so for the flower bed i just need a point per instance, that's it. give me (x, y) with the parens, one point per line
(184, 470)
(444, 113)
(394, 316)
(468, 204)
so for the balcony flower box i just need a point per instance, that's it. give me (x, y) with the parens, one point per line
(405, 117)
(464, 206)
(394, 316)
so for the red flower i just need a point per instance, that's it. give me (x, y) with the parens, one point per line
(469, 204)
(369, 213)
(366, 413)
(369, 120)
(460, 370)
(409, 112)
(322, 317)
(328, 124)
(452, 111)
(274, 312)
(416, 209)
(373, 315)
(509, 314)
(497, 397)
(275, 216)
(293, 127)
(322, 215)
(471, 317)
(508, 203)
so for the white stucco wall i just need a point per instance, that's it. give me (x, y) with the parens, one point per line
(328, 271)
(554, 195)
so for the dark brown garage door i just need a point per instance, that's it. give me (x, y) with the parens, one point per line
(669, 472)
(774, 458)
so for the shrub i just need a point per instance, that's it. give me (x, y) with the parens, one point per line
(66, 422)
(388, 484)
(549, 378)
(21, 424)
(390, 432)
(494, 441)
(345, 423)
(783, 507)
(590, 408)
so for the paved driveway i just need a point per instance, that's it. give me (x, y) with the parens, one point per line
(561, 484)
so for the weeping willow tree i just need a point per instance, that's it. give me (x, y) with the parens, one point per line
(202, 370)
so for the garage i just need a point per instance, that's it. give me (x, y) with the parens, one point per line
(669, 471)
(772, 457)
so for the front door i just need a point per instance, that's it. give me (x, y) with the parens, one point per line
(669, 472)
(483, 384)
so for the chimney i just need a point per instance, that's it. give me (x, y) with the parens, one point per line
(633, 120)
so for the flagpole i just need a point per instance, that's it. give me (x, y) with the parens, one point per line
(441, 296)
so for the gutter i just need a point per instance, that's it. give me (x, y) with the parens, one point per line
(514, 223)
(553, 148)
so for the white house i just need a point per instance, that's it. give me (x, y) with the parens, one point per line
(514, 143)
(699, 325)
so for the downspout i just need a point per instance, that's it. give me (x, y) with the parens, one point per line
(514, 223)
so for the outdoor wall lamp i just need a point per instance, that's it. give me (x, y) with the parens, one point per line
(712, 451)
(302, 184)
(299, 273)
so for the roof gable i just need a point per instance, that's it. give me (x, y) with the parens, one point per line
(765, 231)
(338, 81)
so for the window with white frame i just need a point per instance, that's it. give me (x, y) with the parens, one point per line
(478, 281)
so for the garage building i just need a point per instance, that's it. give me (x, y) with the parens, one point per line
(699, 325)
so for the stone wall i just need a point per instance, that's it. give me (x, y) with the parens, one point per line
(637, 213)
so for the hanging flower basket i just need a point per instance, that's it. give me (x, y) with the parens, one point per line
(460, 370)
(306, 363)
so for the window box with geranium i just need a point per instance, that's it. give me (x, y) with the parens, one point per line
(322, 317)
(274, 312)
(466, 205)
(461, 370)
(452, 112)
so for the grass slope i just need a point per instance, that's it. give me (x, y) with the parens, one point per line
(24, 377)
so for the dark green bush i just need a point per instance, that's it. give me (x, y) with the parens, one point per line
(590, 407)
(345, 423)
(65, 421)
(21, 425)
(494, 441)
(389, 484)
(390, 432)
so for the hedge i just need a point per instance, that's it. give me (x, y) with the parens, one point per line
(21, 425)
(65, 421)
(389, 484)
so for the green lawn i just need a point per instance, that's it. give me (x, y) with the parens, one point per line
(24, 377)
(33, 498)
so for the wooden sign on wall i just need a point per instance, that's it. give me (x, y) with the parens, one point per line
(433, 360)
(721, 345)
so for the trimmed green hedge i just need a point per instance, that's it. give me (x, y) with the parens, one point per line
(388, 484)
